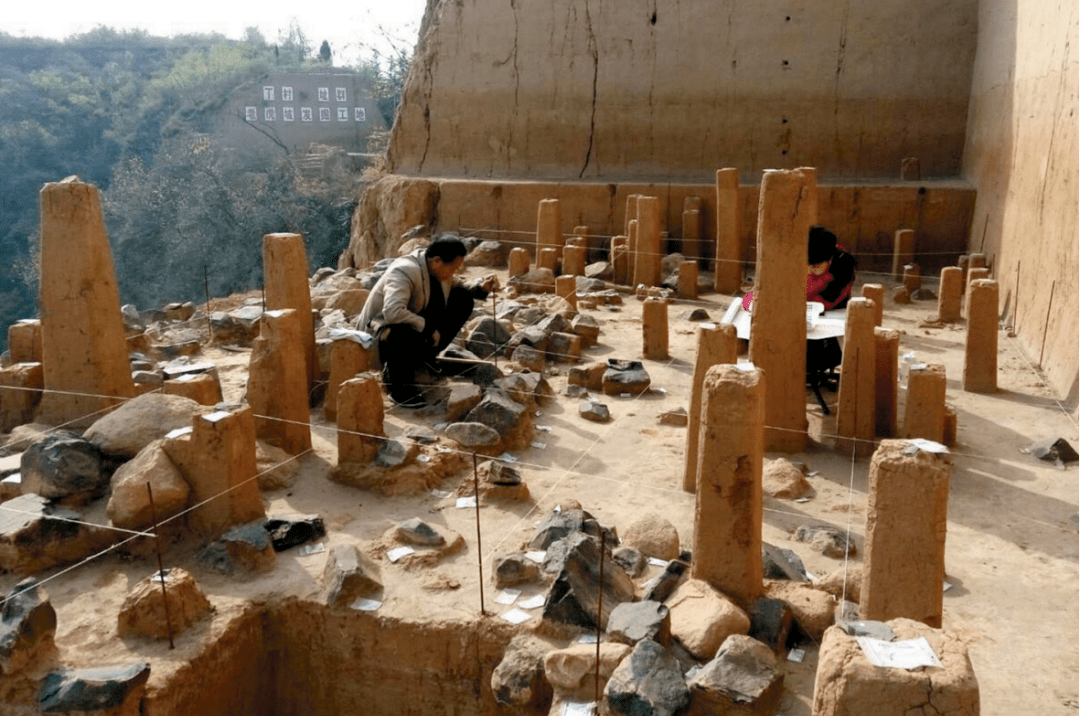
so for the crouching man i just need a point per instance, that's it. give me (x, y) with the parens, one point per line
(415, 311)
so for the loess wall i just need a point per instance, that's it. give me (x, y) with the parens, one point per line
(1021, 155)
(641, 90)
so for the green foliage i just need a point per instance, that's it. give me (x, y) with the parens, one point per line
(324, 52)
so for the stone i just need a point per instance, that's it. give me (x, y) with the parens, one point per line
(563, 347)
(535, 280)
(143, 613)
(489, 337)
(239, 327)
(830, 541)
(537, 386)
(561, 523)
(27, 626)
(847, 683)
(811, 609)
(24, 341)
(781, 479)
(702, 618)
(603, 270)
(514, 569)
(675, 418)
(463, 398)
(594, 411)
(528, 357)
(518, 681)
(659, 588)
(630, 559)
(1053, 449)
(393, 453)
(25, 520)
(780, 563)
(348, 576)
(590, 376)
(697, 314)
(416, 531)
(95, 690)
(844, 583)
(488, 253)
(63, 464)
(498, 473)
(630, 622)
(589, 285)
(242, 550)
(654, 536)
(743, 678)
(554, 323)
(648, 682)
(20, 392)
(203, 388)
(421, 434)
(901, 296)
(770, 622)
(573, 670)
(573, 597)
(498, 411)
(129, 501)
(276, 469)
(625, 376)
(587, 327)
(575, 391)
(131, 427)
(472, 435)
(288, 531)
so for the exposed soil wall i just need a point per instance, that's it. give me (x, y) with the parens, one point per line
(616, 90)
(1021, 156)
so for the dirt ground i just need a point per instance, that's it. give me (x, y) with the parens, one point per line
(1011, 552)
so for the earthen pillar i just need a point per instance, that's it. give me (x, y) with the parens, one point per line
(876, 293)
(906, 510)
(566, 287)
(976, 261)
(973, 275)
(360, 420)
(518, 262)
(285, 281)
(217, 459)
(24, 341)
(549, 227)
(691, 234)
(574, 260)
(778, 330)
(203, 388)
(347, 359)
(924, 411)
(633, 246)
(631, 211)
(654, 329)
(950, 290)
(727, 514)
(647, 267)
(84, 345)
(728, 277)
(886, 353)
(912, 278)
(548, 258)
(620, 259)
(962, 263)
(716, 344)
(856, 417)
(20, 393)
(688, 278)
(903, 252)
(277, 384)
(980, 348)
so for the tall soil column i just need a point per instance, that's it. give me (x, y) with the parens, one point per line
(974, 274)
(876, 293)
(347, 358)
(549, 227)
(778, 330)
(728, 277)
(654, 329)
(924, 410)
(647, 267)
(359, 420)
(903, 252)
(950, 292)
(277, 386)
(727, 515)
(83, 343)
(716, 344)
(620, 259)
(906, 509)
(285, 280)
(856, 417)
(886, 352)
(980, 349)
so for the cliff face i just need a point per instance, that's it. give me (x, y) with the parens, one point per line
(638, 90)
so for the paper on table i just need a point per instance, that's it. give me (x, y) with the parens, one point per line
(507, 596)
(516, 616)
(910, 654)
(398, 552)
(532, 602)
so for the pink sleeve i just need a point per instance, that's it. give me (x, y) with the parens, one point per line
(746, 301)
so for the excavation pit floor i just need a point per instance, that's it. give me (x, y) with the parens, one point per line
(271, 648)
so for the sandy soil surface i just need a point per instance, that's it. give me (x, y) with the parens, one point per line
(1011, 554)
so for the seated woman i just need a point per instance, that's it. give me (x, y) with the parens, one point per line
(830, 271)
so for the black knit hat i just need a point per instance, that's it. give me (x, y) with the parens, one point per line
(822, 245)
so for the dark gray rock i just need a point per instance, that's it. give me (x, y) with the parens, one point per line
(770, 622)
(743, 676)
(537, 384)
(499, 473)
(420, 434)
(780, 563)
(1054, 450)
(554, 323)
(648, 682)
(923, 294)
(573, 597)
(488, 338)
(97, 689)
(513, 569)
(463, 398)
(498, 411)
(63, 464)
(630, 622)
(392, 453)
(27, 620)
(530, 316)
(625, 376)
(594, 410)
(584, 284)
(416, 531)
(532, 336)
(241, 550)
(291, 530)
(508, 310)
(868, 627)
(830, 541)
(632, 560)
(515, 386)
(528, 357)
(518, 682)
(587, 327)
(559, 524)
(472, 434)
(576, 391)
(659, 588)
(698, 314)
(36, 534)
(348, 575)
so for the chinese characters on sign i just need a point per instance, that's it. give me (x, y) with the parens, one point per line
(286, 94)
(324, 94)
(269, 114)
(324, 114)
(251, 114)
(288, 114)
(305, 114)
(339, 94)
(343, 114)
(359, 114)
(268, 94)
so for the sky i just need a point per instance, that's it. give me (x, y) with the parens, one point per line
(350, 30)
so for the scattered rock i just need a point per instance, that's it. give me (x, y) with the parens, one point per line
(518, 681)
(648, 682)
(587, 284)
(574, 595)
(29, 520)
(498, 411)
(630, 622)
(1054, 450)
(528, 357)
(781, 478)
(62, 464)
(291, 530)
(572, 671)
(923, 294)
(602, 270)
(143, 611)
(587, 327)
(698, 314)
(594, 410)
(563, 347)
(348, 576)
(659, 588)
(27, 626)
(472, 434)
(129, 501)
(743, 678)
(535, 280)
(241, 550)
(625, 376)
(770, 622)
(463, 398)
(833, 583)
(575, 391)
(514, 569)
(393, 453)
(561, 523)
(276, 468)
(780, 563)
(676, 418)
(489, 337)
(98, 689)
(138, 422)
(654, 536)
(488, 253)
(416, 531)
(239, 327)
(830, 541)
(811, 609)
(900, 296)
(629, 559)
(702, 618)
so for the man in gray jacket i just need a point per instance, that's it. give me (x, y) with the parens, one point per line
(415, 311)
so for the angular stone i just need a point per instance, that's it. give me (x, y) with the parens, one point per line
(781, 478)
(630, 559)
(553, 324)
(780, 563)
(590, 376)
(20, 392)
(770, 622)
(575, 391)
(537, 385)
(574, 595)
(811, 609)
(518, 681)
(489, 337)
(528, 357)
(143, 612)
(63, 464)
(276, 468)
(291, 530)
(625, 376)
(243, 549)
(830, 541)
(630, 622)
(535, 280)
(594, 410)
(498, 411)
(573, 670)
(587, 327)
(472, 434)
(392, 453)
(563, 347)
(676, 418)
(416, 531)
(26, 523)
(698, 314)
(127, 430)
(659, 588)
(901, 296)
(702, 618)
(514, 569)
(129, 501)
(743, 678)
(648, 682)
(498, 473)
(834, 583)
(654, 536)
(421, 434)
(97, 689)
(239, 327)
(585, 284)
(349, 575)
(559, 524)
(27, 626)
(602, 270)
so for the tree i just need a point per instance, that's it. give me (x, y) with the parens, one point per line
(324, 52)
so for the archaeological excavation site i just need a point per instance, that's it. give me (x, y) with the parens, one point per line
(771, 407)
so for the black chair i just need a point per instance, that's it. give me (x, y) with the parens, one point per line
(822, 358)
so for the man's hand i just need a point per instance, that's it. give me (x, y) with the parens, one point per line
(435, 337)
(490, 283)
